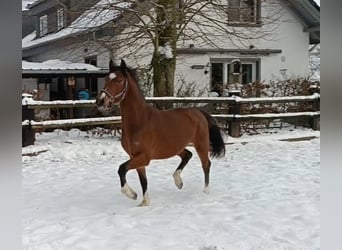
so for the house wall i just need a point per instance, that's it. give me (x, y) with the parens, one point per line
(284, 33)
(193, 77)
(75, 52)
(295, 47)
(287, 35)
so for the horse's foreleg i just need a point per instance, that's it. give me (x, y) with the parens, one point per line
(186, 156)
(134, 163)
(143, 181)
(125, 189)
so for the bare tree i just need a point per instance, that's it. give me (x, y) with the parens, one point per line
(315, 55)
(162, 25)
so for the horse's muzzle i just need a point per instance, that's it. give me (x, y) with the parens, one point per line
(99, 102)
(104, 105)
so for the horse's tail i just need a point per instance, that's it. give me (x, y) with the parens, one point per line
(218, 148)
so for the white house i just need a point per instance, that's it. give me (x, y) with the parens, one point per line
(282, 53)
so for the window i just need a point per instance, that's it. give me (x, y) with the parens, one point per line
(216, 73)
(60, 19)
(244, 11)
(222, 72)
(91, 82)
(247, 73)
(43, 25)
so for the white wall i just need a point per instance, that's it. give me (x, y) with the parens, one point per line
(199, 77)
(287, 35)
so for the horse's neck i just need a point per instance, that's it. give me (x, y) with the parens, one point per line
(133, 106)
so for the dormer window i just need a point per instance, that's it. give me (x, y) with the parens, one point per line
(60, 19)
(243, 12)
(43, 25)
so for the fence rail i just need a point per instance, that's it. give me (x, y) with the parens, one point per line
(233, 117)
(32, 104)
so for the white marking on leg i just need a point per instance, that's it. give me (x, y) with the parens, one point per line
(177, 178)
(206, 189)
(145, 201)
(129, 192)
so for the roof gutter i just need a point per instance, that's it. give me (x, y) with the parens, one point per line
(240, 51)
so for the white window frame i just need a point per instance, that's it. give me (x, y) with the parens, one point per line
(228, 66)
(43, 25)
(60, 18)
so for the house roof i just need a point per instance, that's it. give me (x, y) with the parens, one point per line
(59, 68)
(309, 12)
(93, 18)
(98, 16)
(26, 4)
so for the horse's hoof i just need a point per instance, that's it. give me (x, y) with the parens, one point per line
(129, 192)
(144, 203)
(178, 179)
(206, 190)
(179, 185)
(134, 197)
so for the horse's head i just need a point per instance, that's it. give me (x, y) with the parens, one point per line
(115, 88)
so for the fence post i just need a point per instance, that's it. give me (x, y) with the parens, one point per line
(235, 124)
(28, 134)
(315, 120)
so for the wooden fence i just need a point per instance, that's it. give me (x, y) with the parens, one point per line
(231, 112)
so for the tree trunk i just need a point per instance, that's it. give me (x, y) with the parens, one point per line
(164, 57)
(163, 76)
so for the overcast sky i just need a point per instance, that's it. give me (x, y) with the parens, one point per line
(318, 2)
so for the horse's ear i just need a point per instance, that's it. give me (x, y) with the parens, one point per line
(123, 64)
(111, 65)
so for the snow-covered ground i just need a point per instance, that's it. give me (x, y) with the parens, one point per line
(264, 194)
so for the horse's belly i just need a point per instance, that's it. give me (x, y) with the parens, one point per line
(170, 145)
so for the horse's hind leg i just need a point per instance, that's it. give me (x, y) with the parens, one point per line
(186, 156)
(203, 155)
(143, 181)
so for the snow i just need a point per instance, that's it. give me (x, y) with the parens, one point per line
(269, 115)
(264, 194)
(166, 51)
(25, 3)
(108, 120)
(30, 101)
(56, 64)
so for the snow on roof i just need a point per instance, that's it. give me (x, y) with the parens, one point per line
(100, 14)
(57, 65)
(26, 3)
